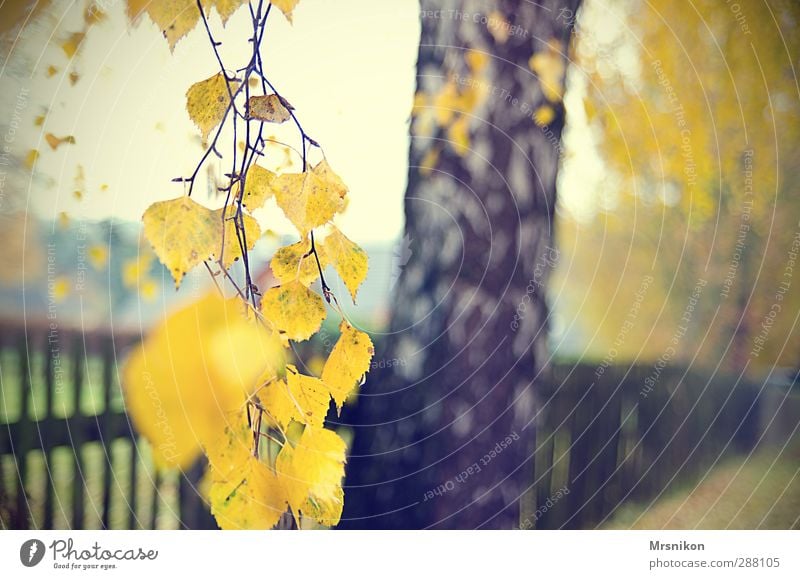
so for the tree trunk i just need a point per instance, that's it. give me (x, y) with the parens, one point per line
(444, 434)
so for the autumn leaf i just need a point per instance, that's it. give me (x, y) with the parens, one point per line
(347, 258)
(71, 45)
(294, 309)
(251, 498)
(313, 469)
(31, 157)
(286, 6)
(56, 142)
(175, 18)
(257, 187)
(293, 262)
(193, 372)
(226, 8)
(544, 115)
(348, 362)
(304, 399)
(183, 233)
(270, 108)
(232, 251)
(310, 199)
(207, 101)
(98, 256)
(548, 64)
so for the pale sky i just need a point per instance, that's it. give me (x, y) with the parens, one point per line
(348, 67)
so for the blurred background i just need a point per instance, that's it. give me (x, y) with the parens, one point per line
(650, 328)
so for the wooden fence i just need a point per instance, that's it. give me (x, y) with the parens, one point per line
(608, 435)
(70, 457)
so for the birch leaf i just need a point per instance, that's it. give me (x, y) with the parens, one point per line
(207, 101)
(270, 108)
(347, 258)
(286, 263)
(348, 362)
(294, 309)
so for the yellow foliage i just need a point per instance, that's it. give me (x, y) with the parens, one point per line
(313, 469)
(251, 498)
(294, 309)
(98, 256)
(286, 6)
(207, 101)
(310, 199)
(348, 362)
(304, 399)
(349, 260)
(257, 187)
(193, 373)
(549, 66)
(293, 263)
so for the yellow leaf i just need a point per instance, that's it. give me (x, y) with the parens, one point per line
(193, 373)
(226, 8)
(257, 187)
(134, 269)
(291, 263)
(148, 289)
(269, 108)
(310, 199)
(251, 498)
(301, 398)
(51, 72)
(233, 249)
(349, 260)
(544, 115)
(98, 256)
(175, 18)
(312, 469)
(549, 66)
(56, 142)
(31, 158)
(294, 309)
(458, 133)
(207, 101)
(183, 233)
(348, 362)
(231, 451)
(71, 45)
(429, 161)
(61, 288)
(286, 6)
(476, 60)
(327, 512)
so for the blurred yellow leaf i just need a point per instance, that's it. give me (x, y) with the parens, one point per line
(207, 101)
(193, 372)
(51, 72)
(269, 108)
(348, 362)
(70, 45)
(31, 158)
(349, 260)
(98, 256)
(544, 115)
(294, 309)
(61, 288)
(458, 134)
(148, 289)
(548, 64)
(233, 249)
